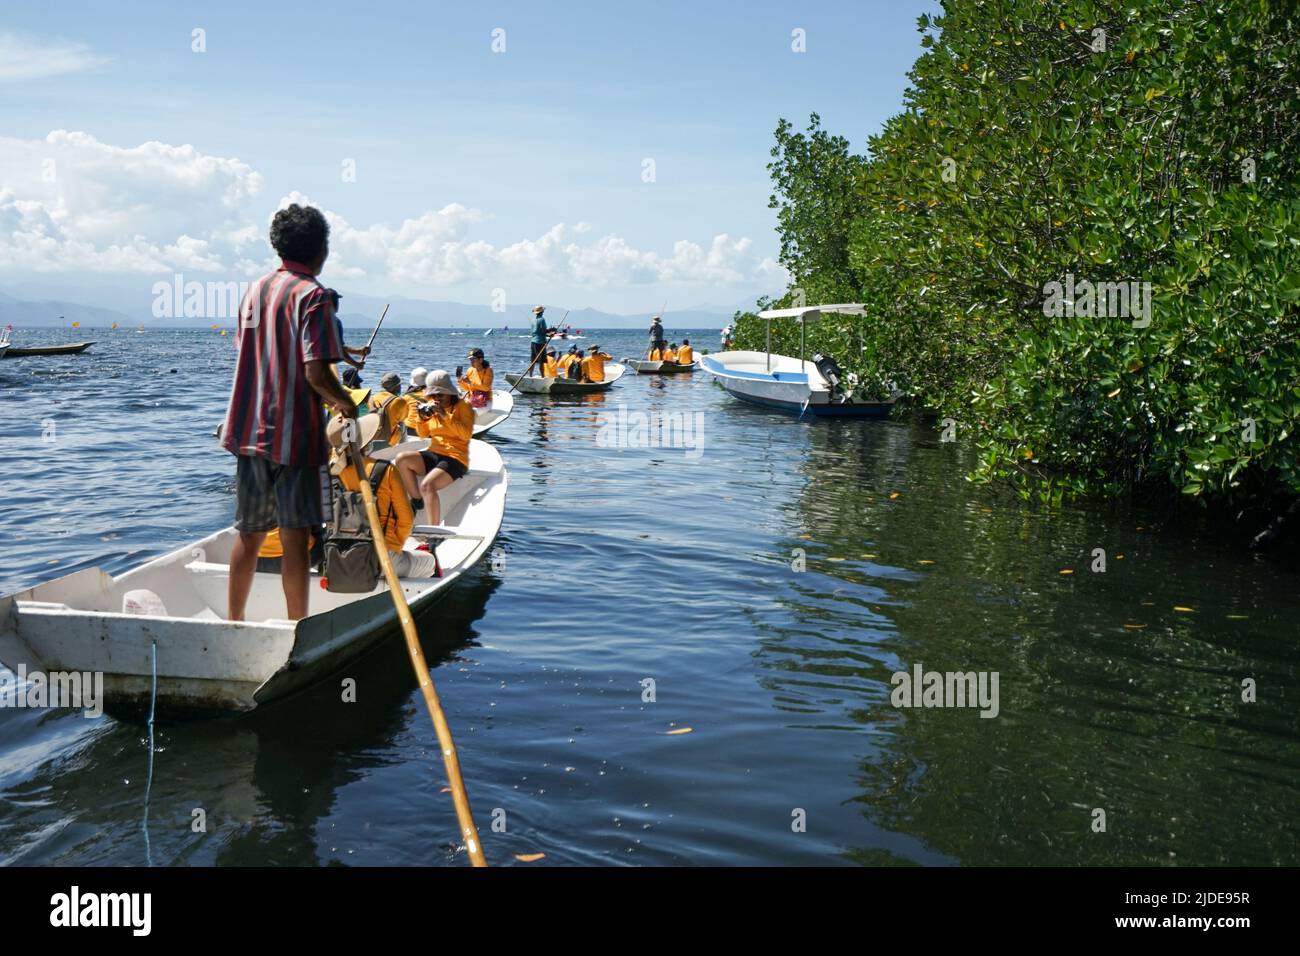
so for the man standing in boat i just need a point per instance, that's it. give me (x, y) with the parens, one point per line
(275, 424)
(657, 340)
(539, 338)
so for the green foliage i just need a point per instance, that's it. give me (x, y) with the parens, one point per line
(1026, 153)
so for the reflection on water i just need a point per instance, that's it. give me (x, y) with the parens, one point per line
(768, 588)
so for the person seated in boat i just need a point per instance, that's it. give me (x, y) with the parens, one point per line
(396, 515)
(551, 368)
(270, 555)
(448, 422)
(567, 359)
(670, 353)
(477, 382)
(414, 396)
(685, 354)
(393, 407)
(593, 366)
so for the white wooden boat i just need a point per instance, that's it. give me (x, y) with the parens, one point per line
(793, 384)
(537, 385)
(647, 367)
(205, 662)
(490, 416)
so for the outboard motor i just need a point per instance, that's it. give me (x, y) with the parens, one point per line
(829, 369)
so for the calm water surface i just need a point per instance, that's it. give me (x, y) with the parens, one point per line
(647, 563)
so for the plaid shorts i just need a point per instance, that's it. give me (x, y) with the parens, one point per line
(270, 496)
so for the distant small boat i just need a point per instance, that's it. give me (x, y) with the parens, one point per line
(74, 349)
(139, 328)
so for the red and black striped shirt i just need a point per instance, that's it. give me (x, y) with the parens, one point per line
(285, 321)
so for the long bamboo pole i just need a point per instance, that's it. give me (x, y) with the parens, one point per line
(468, 832)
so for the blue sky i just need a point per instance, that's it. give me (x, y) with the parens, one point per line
(476, 152)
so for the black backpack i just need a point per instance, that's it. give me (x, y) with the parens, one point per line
(350, 565)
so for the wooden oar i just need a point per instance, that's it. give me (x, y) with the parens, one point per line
(377, 325)
(468, 832)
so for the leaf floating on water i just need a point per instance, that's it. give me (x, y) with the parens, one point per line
(869, 557)
(1183, 610)
(893, 495)
(805, 537)
(1238, 617)
(1066, 571)
(834, 559)
(679, 730)
(1134, 627)
(924, 561)
(529, 857)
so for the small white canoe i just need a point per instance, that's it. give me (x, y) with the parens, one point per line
(205, 662)
(536, 385)
(489, 416)
(647, 367)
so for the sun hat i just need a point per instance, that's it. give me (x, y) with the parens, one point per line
(391, 380)
(368, 427)
(418, 376)
(438, 382)
(540, 308)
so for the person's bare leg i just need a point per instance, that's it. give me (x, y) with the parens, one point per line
(293, 571)
(410, 468)
(432, 483)
(243, 563)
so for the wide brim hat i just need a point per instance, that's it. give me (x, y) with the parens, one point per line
(439, 383)
(540, 308)
(368, 427)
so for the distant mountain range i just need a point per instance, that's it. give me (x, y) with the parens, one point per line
(357, 311)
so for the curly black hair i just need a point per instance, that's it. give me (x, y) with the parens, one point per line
(299, 233)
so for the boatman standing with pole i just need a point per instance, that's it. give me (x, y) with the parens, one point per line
(275, 424)
(539, 339)
(657, 340)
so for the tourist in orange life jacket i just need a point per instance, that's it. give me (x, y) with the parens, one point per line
(685, 354)
(396, 516)
(593, 366)
(477, 382)
(448, 422)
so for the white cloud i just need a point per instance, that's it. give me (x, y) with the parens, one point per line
(70, 202)
(29, 58)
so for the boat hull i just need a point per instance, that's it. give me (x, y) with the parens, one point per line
(485, 419)
(646, 367)
(76, 348)
(204, 663)
(789, 386)
(534, 385)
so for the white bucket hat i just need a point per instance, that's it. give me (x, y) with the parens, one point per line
(418, 375)
(438, 382)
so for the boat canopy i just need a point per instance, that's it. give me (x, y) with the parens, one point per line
(811, 312)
